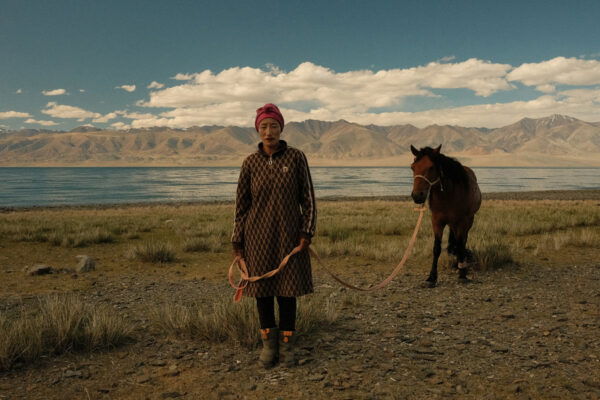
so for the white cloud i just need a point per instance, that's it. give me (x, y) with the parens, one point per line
(311, 91)
(55, 92)
(120, 125)
(63, 111)
(274, 69)
(583, 95)
(155, 85)
(583, 105)
(127, 88)
(13, 114)
(135, 115)
(183, 77)
(19, 91)
(105, 117)
(226, 97)
(310, 82)
(559, 70)
(547, 88)
(39, 122)
(447, 59)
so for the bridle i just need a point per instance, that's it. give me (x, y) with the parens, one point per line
(431, 184)
(427, 180)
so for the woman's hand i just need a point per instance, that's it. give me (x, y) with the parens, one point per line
(238, 253)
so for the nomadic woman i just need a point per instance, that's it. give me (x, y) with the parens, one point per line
(275, 212)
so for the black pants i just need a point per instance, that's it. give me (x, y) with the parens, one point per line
(287, 312)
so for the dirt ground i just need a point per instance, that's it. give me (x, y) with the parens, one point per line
(526, 331)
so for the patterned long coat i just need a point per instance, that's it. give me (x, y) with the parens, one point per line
(275, 207)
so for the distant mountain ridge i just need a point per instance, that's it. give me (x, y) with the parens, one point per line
(555, 140)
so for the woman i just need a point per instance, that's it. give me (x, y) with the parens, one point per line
(275, 212)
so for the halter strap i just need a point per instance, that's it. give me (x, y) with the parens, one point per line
(427, 180)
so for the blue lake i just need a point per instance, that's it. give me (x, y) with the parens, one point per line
(23, 187)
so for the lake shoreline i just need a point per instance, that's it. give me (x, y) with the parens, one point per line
(581, 194)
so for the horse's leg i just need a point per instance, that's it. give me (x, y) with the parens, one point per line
(438, 232)
(462, 249)
(451, 242)
(452, 245)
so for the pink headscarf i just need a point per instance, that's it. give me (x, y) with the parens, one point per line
(268, 111)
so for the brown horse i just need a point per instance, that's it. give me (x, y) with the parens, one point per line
(454, 198)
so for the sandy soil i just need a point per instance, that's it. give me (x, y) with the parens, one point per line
(527, 331)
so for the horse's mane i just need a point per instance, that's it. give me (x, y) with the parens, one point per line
(450, 169)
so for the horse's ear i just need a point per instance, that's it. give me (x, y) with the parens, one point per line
(414, 151)
(437, 149)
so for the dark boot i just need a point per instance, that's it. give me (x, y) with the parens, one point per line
(270, 349)
(287, 355)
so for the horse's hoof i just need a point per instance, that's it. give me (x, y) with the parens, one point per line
(429, 284)
(464, 280)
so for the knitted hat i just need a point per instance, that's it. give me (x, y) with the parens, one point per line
(268, 111)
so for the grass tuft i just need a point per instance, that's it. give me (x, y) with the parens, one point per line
(57, 325)
(203, 244)
(492, 253)
(225, 321)
(152, 251)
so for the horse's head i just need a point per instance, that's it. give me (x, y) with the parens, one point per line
(425, 172)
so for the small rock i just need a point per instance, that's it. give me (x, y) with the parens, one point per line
(86, 264)
(158, 363)
(173, 371)
(316, 377)
(144, 379)
(170, 395)
(38, 270)
(72, 374)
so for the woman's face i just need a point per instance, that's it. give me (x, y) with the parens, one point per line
(269, 131)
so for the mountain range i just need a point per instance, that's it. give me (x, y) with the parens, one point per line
(556, 140)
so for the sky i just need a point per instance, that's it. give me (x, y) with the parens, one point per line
(134, 64)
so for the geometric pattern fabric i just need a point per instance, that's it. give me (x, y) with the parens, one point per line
(275, 207)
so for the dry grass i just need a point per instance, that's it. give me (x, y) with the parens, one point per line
(505, 232)
(225, 321)
(377, 230)
(59, 324)
(502, 230)
(203, 244)
(154, 251)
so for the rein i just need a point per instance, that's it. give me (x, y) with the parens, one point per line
(245, 278)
